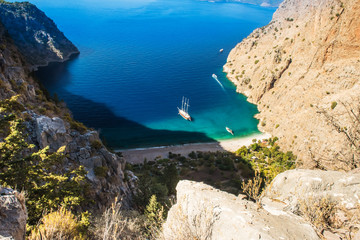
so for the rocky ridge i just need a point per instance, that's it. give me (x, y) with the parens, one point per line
(305, 61)
(203, 212)
(36, 36)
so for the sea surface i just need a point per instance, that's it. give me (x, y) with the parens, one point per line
(140, 57)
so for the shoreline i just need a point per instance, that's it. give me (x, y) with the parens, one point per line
(137, 155)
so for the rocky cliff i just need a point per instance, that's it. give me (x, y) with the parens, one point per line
(298, 204)
(36, 36)
(47, 122)
(303, 66)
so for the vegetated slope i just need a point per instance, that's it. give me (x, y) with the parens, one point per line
(36, 35)
(45, 122)
(303, 64)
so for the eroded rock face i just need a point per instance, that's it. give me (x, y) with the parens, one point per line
(36, 35)
(13, 214)
(203, 212)
(305, 60)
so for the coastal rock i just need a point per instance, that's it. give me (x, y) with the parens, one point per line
(304, 62)
(13, 214)
(203, 212)
(36, 35)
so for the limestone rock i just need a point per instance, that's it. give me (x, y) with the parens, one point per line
(202, 212)
(305, 59)
(292, 186)
(13, 214)
(316, 190)
(50, 132)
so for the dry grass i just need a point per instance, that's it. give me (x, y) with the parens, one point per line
(327, 214)
(59, 225)
(197, 227)
(118, 224)
(254, 188)
(319, 211)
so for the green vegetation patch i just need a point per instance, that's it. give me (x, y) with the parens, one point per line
(36, 171)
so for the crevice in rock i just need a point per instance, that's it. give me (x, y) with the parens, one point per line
(275, 78)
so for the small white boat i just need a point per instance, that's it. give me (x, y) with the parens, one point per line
(221, 50)
(229, 130)
(216, 78)
(184, 111)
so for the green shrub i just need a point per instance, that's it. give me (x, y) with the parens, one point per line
(75, 124)
(101, 171)
(96, 144)
(333, 105)
(256, 61)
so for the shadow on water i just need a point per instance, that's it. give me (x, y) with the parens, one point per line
(56, 74)
(121, 133)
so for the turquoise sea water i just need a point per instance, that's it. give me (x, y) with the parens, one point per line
(139, 57)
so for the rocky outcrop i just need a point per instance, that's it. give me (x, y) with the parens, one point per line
(298, 204)
(105, 170)
(50, 132)
(13, 214)
(305, 61)
(202, 212)
(36, 35)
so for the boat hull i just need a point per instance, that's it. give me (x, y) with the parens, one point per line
(184, 114)
(229, 130)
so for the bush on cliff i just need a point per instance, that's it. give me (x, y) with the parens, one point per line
(40, 173)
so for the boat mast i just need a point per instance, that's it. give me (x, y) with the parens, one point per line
(187, 106)
(182, 103)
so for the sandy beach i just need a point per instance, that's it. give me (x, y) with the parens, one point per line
(138, 155)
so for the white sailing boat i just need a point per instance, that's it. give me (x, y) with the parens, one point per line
(221, 50)
(184, 111)
(229, 130)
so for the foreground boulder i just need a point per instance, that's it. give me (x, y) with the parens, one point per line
(297, 204)
(330, 200)
(203, 212)
(13, 214)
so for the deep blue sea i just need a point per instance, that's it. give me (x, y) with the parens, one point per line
(139, 57)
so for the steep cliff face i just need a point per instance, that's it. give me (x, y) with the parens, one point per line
(304, 61)
(298, 204)
(49, 123)
(36, 35)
